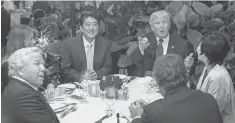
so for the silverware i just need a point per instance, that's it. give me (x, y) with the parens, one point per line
(72, 109)
(61, 109)
(118, 120)
(104, 117)
(123, 116)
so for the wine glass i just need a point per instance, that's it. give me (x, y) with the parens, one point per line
(148, 73)
(109, 101)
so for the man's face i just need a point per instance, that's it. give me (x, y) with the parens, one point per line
(33, 71)
(90, 28)
(160, 25)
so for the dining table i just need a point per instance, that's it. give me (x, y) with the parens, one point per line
(95, 107)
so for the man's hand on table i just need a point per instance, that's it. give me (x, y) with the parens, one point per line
(136, 108)
(90, 75)
(49, 93)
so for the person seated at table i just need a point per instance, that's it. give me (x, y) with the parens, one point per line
(21, 100)
(20, 36)
(87, 51)
(215, 78)
(160, 42)
(180, 104)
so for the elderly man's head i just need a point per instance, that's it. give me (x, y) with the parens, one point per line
(160, 23)
(28, 64)
(170, 72)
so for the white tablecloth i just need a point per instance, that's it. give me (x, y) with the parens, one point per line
(95, 108)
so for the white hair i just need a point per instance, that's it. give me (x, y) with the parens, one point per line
(159, 14)
(18, 59)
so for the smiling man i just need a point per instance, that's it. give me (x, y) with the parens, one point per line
(87, 52)
(159, 42)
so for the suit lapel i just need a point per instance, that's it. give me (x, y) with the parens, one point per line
(171, 45)
(81, 52)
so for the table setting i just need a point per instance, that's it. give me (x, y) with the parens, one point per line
(102, 101)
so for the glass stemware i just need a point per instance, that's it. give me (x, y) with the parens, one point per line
(148, 73)
(109, 101)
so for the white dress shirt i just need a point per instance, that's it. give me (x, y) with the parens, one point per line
(22, 80)
(89, 50)
(164, 45)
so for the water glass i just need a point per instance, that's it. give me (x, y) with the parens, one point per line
(148, 73)
(123, 71)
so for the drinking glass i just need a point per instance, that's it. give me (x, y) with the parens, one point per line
(123, 71)
(148, 73)
(109, 101)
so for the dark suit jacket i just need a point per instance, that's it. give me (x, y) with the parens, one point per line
(182, 105)
(74, 60)
(22, 104)
(176, 45)
(6, 25)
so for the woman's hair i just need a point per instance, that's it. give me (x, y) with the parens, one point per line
(215, 47)
(19, 37)
(170, 72)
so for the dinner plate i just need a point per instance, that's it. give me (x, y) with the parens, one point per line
(68, 85)
(121, 76)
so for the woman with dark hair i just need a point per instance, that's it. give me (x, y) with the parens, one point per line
(215, 78)
(20, 36)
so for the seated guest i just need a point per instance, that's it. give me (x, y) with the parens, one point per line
(21, 100)
(215, 78)
(20, 36)
(180, 104)
(160, 42)
(87, 52)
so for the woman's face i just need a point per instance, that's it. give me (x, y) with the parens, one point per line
(201, 57)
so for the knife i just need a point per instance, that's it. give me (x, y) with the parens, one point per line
(72, 109)
(118, 120)
(104, 117)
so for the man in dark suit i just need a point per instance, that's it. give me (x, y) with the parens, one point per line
(180, 104)
(21, 100)
(87, 52)
(159, 42)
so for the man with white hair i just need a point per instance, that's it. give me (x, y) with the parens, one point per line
(21, 100)
(159, 42)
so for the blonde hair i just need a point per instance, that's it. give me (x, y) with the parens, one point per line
(158, 14)
(19, 37)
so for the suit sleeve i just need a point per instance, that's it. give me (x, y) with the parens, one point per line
(107, 65)
(31, 109)
(137, 55)
(67, 69)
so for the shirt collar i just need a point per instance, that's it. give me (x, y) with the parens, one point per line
(165, 40)
(88, 43)
(16, 77)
